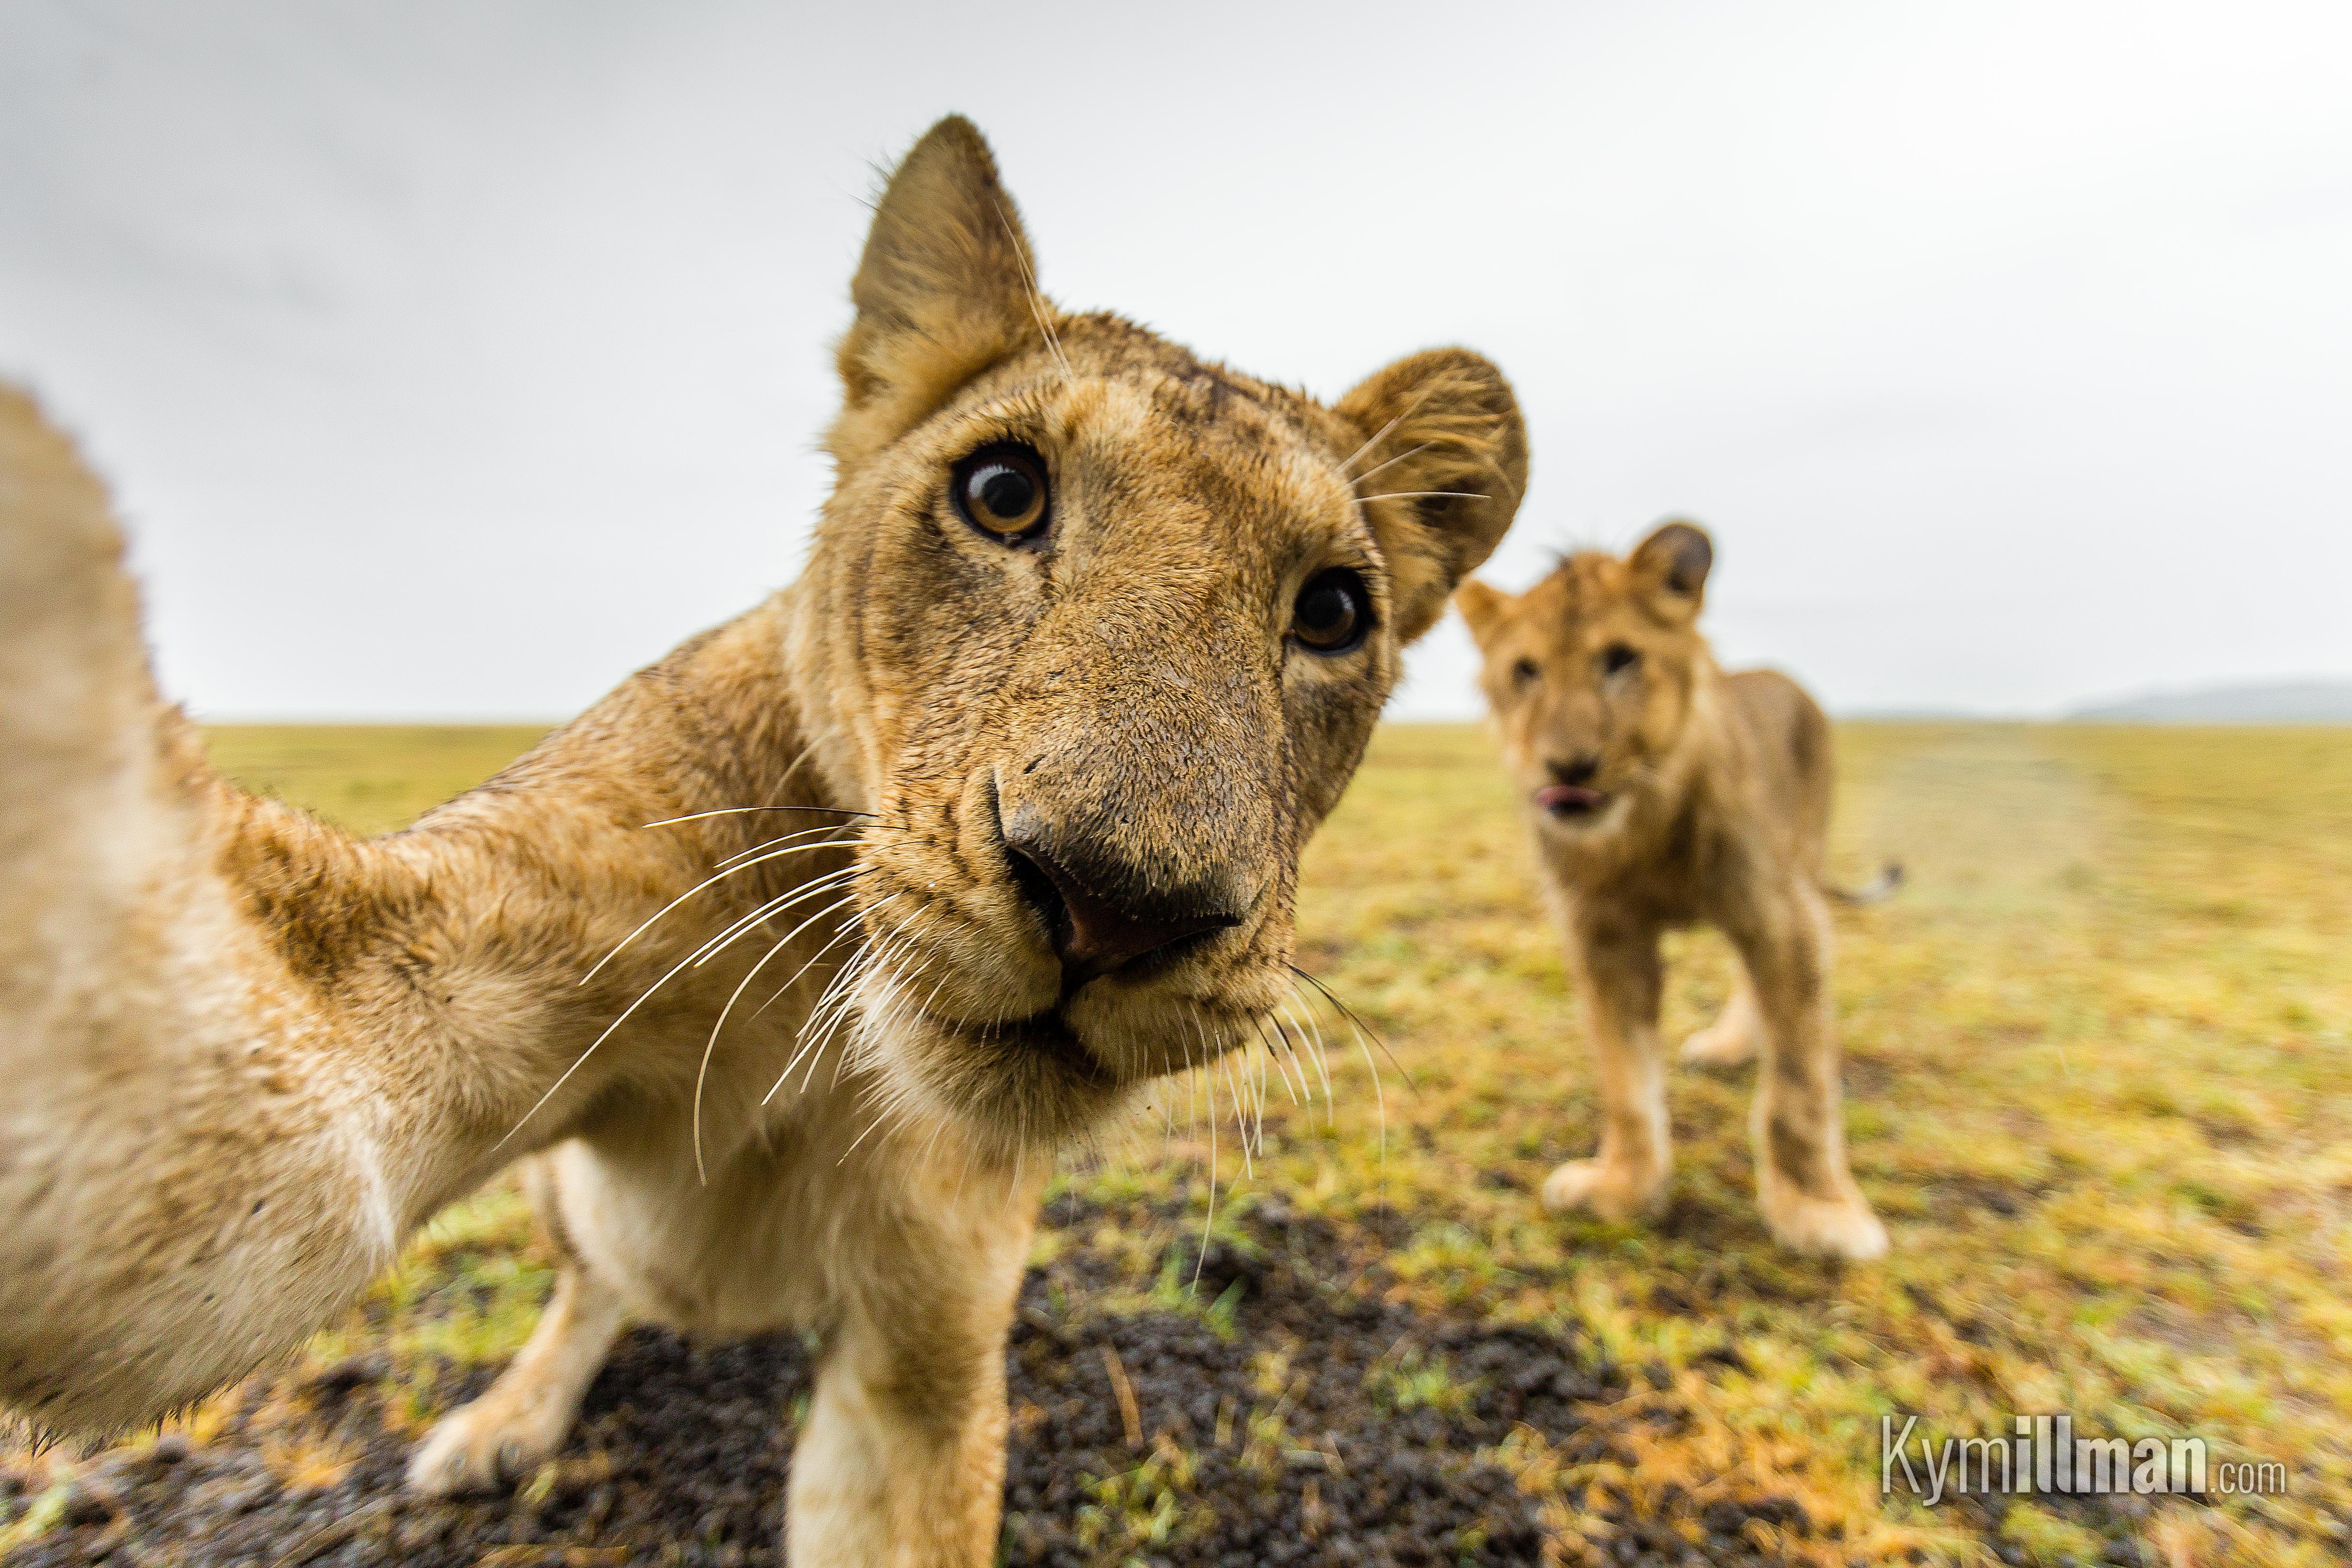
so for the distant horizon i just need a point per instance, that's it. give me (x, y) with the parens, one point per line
(2075, 713)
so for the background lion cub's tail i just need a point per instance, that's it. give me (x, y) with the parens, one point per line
(1879, 889)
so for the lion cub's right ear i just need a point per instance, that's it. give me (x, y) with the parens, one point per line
(1483, 608)
(1673, 564)
(944, 290)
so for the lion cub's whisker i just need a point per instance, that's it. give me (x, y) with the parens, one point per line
(788, 838)
(643, 997)
(710, 881)
(1266, 1047)
(727, 937)
(1393, 462)
(703, 1072)
(1382, 433)
(824, 1019)
(740, 810)
(1362, 1025)
(842, 933)
(1282, 1028)
(1310, 1035)
(1408, 495)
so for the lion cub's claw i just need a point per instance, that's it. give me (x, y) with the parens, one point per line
(1842, 1227)
(1611, 1191)
(483, 1447)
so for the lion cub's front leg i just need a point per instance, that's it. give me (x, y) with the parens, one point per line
(1809, 1198)
(1735, 1036)
(902, 1462)
(1621, 983)
(522, 1420)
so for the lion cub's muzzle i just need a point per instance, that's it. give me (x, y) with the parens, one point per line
(1104, 914)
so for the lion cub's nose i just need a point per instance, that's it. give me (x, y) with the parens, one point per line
(1095, 933)
(1576, 769)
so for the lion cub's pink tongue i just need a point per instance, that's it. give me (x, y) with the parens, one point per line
(1565, 799)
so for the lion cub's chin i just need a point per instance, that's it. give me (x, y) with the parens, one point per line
(1021, 1087)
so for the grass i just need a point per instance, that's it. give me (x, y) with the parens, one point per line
(2099, 1068)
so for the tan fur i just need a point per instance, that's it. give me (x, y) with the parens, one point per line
(246, 1055)
(1715, 805)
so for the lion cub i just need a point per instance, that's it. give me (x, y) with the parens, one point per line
(1663, 791)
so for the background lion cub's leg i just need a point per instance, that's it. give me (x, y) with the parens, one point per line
(1808, 1195)
(524, 1418)
(1621, 981)
(1735, 1036)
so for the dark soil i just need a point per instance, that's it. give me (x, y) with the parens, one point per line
(682, 1450)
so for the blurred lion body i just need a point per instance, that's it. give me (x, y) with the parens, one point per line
(248, 1055)
(1666, 792)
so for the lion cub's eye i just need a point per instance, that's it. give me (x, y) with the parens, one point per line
(1524, 673)
(1333, 614)
(1617, 658)
(1001, 490)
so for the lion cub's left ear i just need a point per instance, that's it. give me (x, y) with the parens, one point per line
(1673, 564)
(1444, 464)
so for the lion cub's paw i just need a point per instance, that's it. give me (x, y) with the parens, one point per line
(483, 1447)
(1611, 1191)
(1826, 1227)
(1720, 1045)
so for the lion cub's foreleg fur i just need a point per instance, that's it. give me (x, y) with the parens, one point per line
(1621, 983)
(1809, 1198)
(908, 1261)
(1735, 1036)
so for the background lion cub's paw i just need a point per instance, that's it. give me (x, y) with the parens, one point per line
(487, 1446)
(1826, 1227)
(1611, 1191)
(1719, 1045)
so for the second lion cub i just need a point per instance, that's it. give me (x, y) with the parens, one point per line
(1666, 792)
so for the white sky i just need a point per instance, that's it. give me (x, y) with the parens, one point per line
(454, 359)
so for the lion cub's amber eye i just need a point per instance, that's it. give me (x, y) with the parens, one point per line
(1617, 658)
(1001, 490)
(1333, 613)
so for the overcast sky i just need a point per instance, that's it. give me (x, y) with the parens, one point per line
(454, 359)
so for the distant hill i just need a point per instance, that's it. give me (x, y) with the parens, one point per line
(2277, 701)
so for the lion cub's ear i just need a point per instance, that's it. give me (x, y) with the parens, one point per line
(1443, 441)
(944, 290)
(1672, 564)
(1483, 608)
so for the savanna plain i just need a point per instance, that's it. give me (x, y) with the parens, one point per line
(2098, 1064)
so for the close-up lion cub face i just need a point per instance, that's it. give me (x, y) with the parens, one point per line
(1589, 674)
(1104, 628)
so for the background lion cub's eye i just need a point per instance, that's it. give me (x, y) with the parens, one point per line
(1524, 673)
(1333, 612)
(1001, 490)
(1617, 658)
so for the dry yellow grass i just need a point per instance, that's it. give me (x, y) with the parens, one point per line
(2097, 1057)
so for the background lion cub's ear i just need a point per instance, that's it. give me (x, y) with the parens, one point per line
(944, 290)
(1673, 563)
(1482, 608)
(1444, 464)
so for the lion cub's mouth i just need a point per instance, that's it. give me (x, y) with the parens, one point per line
(1568, 802)
(1046, 1034)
